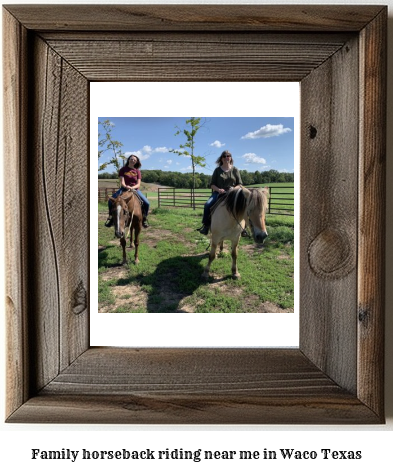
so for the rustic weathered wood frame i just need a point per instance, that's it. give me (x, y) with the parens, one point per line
(338, 54)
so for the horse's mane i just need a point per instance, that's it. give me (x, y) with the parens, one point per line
(236, 201)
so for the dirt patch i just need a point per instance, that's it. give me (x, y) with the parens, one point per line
(268, 307)
(284, 256)
(115, 273)
(251, 302)
(128, 297)
(253, 248)
(153, 236)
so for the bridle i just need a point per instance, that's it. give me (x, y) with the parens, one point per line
(127, 214)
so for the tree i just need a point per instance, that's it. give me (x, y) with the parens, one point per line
(107, 143)
(247, 178)
(189, 147)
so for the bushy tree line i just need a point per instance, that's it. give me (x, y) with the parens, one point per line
(184, 180)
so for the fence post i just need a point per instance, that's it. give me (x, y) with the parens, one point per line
(270, 197)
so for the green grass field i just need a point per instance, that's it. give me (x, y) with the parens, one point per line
(172, 257)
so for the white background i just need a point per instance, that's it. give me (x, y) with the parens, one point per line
(209, 100)
(16, 441)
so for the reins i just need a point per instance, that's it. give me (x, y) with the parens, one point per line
(129, 227)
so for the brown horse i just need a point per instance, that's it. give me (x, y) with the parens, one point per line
(127, 217)
(228, 221)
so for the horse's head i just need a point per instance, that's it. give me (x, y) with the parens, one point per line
(257, 203)
(120, 214)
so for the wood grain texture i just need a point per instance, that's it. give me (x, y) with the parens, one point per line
(336, 375)
(328, 249)
(14, 67)
(173, 59)
(196, 18)
(60, 212)
(372, 198)
(193, 386)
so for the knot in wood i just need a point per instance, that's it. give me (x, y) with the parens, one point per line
(331, 255)
(313, 132)
(80, 299)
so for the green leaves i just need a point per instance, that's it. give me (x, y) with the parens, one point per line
(187, 149)
(109, 144)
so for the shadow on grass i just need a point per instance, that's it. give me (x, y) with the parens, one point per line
(173, 280)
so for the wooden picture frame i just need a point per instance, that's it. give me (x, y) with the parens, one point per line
(338, 54)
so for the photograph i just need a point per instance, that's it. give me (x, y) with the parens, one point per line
(196, 214)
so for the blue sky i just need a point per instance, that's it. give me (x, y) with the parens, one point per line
(255, 143)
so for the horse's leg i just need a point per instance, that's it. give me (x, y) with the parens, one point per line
(123, 245)
(235, 273)
(131, 244)
(221, 249)
(136, 241)
(212, 256)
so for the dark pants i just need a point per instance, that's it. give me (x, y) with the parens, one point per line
(119, 192)
(206, 211)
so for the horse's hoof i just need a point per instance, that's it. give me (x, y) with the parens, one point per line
(137, 261)
(124, 263)
(236, 276)
(205, 276)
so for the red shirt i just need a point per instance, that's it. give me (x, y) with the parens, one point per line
(131, 175)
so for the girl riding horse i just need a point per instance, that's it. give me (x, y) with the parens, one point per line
(130, 179)
(225, 177)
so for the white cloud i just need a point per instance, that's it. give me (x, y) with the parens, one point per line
(217, 144)
(161, 149)
(169, 162)
(253, 158)
(145, 152)
(267, 131)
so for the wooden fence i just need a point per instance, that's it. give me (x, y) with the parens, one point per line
(103, 193)
(281, 198)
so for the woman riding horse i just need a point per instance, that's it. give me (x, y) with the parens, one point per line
(225, 177)
(130, 179)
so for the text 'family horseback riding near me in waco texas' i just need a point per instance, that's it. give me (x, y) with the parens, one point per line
(197, 455)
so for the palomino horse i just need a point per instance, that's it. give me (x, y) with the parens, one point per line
(127, 217)
(228, 221)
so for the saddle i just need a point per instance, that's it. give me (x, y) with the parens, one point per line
(134, 193)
